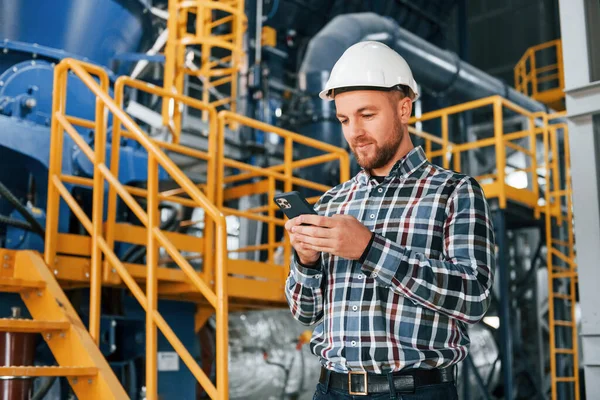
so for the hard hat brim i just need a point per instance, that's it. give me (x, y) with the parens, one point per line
(326, 93)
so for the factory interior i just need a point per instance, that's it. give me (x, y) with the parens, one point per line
(142, 142)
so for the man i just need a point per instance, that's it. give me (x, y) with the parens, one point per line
(400, 258)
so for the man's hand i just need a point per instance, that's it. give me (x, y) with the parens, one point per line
(340, 235)
(306, 255)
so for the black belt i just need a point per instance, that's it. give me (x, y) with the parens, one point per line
(363, 383)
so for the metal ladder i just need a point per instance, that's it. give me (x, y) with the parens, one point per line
(562, 270)
(221, 55)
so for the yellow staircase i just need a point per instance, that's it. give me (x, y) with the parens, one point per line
(103, 267)
(90, 259)
(77, 355)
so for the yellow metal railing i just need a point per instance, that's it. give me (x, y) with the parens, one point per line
(266, 179)
(103, 256)
(434, 146)
(495, 184)
(539, 73)
(555, 202)
(562, 270)
(180, 196)
(217, 72)
(249, 279)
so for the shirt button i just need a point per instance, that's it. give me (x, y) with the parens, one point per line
(353, 343)
(354, 308)
(372, 216)
(360, 276)
(380, 190)
(317, 276)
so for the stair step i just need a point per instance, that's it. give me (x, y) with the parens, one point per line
(563, 296)
(565, 379)
(31, 326)
(563, 323)
(48, 371)
(562, 275)
(16, 285)
(565, 351)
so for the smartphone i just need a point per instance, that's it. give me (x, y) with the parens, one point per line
(293, 204)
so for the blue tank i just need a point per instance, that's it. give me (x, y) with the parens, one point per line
(92, 29)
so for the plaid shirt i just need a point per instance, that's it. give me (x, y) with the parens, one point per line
(427, 274)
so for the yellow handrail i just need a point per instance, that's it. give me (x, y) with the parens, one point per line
(451, 152)
(282, 172)
(210, 156)
(103, 245)
(529, 73)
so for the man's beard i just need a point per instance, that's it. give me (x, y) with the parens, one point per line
(379, 157)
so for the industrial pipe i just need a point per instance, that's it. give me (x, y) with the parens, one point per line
(16, 348)
(437, 70)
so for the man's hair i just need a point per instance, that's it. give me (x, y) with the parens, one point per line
(403, 89)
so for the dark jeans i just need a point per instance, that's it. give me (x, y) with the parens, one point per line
(442, 391)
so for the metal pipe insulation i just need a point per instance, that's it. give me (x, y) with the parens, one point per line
(439, 71)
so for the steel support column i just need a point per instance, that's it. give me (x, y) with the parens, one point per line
(503, 276)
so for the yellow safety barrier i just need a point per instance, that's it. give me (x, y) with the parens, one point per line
(539, 74)
(495, 184)
(430, 141)
(269, 177)
(174, 195)
(103, 236)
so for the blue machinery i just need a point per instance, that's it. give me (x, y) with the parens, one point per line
(32, 43)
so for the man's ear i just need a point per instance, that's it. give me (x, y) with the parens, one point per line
(405, 109)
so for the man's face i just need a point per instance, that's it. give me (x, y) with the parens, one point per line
(373, 123)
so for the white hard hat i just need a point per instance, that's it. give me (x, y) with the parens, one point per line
(369, 64)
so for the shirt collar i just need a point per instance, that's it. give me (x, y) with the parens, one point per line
(402, 168)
